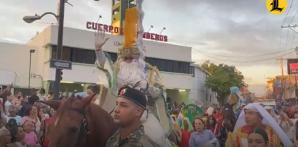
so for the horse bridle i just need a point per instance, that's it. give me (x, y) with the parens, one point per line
(83, 130)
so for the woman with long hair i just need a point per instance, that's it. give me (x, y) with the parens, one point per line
(201, 136)
(32, 116)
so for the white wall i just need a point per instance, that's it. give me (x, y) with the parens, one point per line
(177, 80)
(40, 43)
(85, 39)
(199, 91)
(15, 58)
(82, 73)
(7, 77)
(90, 74)
(19, 55)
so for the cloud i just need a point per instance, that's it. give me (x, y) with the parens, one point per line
(229, 30)
(235, 32)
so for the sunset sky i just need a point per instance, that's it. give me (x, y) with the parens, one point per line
(235, 32)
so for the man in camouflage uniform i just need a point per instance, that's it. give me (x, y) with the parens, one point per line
(130, 105)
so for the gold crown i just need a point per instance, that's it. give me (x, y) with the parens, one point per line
(130, 34)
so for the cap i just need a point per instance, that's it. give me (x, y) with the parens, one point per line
(133, 95)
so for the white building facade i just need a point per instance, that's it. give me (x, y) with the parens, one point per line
(184, 82)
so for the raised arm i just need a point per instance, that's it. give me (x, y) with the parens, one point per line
(100, 41)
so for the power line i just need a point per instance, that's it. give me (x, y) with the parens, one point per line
(254, 60)
(287, 12)
(283, 22)
(292, 39)
(292, 27)
(238, 56)
(253, 56)
(295, 37)
(241, 63)
(294, 17)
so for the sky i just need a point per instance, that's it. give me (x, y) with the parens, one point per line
(240, 33)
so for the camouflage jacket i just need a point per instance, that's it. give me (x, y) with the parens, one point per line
(135, 139)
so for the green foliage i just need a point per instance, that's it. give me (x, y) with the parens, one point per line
(221, 78)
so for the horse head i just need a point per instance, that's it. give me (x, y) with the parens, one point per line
(70, 127)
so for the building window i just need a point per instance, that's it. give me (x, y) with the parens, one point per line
(165, 65)
(83, 56)
(88, 57)
(171, 65)
(113, 56)
(76, 55)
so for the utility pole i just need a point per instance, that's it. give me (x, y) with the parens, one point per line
(296, 90)
(59, 48)
(282, 75)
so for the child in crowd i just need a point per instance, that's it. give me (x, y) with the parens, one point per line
(13, 115)
(258, 138)
(30, 137)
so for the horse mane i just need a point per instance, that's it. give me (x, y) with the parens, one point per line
(64, 105)
(100, 123)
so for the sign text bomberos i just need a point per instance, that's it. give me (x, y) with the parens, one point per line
(116, 30)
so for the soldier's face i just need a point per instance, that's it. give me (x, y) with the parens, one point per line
(126, 112)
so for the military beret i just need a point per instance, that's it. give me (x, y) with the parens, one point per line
(133, 95)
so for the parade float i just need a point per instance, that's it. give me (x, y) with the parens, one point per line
(130, 69)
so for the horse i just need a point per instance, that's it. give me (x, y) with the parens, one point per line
(79, 123)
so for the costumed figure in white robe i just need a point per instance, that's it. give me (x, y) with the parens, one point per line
(130, 69)
(262, 119)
